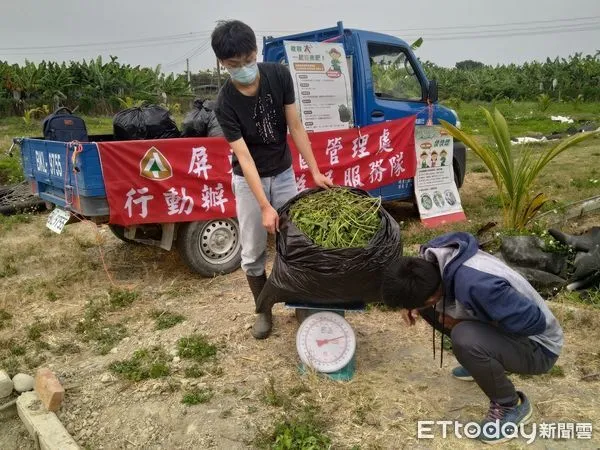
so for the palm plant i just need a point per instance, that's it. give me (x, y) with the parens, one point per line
(514, 175)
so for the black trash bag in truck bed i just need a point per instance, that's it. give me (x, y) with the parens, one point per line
(305, 273)
(201, 121)
(146, 122)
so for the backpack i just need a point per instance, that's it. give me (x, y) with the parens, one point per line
(63, 126)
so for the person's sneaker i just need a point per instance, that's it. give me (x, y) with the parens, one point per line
(462, 374)
(493, 429)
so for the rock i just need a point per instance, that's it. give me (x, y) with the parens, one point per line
(23, 382)
(114, 350)
(6, 384)
(106, 378)
(176, 360)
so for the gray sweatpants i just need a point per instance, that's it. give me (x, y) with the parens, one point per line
(278, 189)
(488, 353)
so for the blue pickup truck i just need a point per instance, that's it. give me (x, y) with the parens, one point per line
(72, 179)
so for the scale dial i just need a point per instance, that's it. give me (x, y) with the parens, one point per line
(325, 342)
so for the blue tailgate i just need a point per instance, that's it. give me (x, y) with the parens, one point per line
(48, 165)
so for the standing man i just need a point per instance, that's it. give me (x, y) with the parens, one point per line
(255, 108)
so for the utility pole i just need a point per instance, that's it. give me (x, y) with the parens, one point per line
(189, 75)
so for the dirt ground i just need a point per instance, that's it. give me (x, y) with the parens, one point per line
(60, 293)
(254, 383)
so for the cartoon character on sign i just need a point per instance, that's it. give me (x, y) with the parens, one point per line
(450, 198)
(434, 158)
(438, 199)
(335, 55)
(426, 201)
(443, 156)
(424, 164)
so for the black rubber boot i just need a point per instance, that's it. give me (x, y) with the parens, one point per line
(263, 324)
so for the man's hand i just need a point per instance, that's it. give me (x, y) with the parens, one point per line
(322, 181)
(447, 321)
(409, 316)
(270, 219)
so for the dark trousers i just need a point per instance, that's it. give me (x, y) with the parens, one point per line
(488, 353)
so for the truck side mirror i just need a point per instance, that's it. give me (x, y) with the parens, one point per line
(432, 92)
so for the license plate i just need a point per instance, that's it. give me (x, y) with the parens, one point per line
(57, 220)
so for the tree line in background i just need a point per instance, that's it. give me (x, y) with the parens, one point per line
(94, 87)
(104, 87)
(576, 78)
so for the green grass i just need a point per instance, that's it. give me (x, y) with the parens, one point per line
(165, 319)
(93, 328)
(37, 329)
(196, 347)
(197, 396)
(303, 430)
(194, 372)
(121, 298)
(8, 269)
(272, 397)
(525, 117)
(5, 318)
(144, 364)
(8, 223)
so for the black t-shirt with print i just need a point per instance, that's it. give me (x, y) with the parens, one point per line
(259, 119)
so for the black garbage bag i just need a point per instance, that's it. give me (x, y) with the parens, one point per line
(201, 121)
(545, 283)
(146, 122)
(305, 273)
(214, 128)
(586, 274)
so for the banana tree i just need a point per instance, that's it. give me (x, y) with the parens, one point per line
(514, 175)
(56, 82)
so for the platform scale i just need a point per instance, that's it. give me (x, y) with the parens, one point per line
(325, 341)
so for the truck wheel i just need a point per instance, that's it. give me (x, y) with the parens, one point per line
(151, 231)
(212, 247)
(119, 232)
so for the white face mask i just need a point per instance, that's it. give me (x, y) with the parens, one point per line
(245, 74)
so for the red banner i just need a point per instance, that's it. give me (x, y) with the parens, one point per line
(189, 179)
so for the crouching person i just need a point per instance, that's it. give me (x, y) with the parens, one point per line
(497, 321)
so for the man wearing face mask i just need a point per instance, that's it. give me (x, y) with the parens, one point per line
(255, 108)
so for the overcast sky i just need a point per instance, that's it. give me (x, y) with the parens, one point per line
(151, 32)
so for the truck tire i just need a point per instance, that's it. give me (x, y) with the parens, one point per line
(143, 232)
(119, 232)
(212, 247)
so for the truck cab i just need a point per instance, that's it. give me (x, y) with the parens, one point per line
(388, 83)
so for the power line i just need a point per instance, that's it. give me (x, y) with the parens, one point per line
(79, 50)
(190, 54)
(172, 37)
(187, 37)
(464, 36)
(573, 19)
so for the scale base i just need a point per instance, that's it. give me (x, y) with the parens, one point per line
(303, 311)
(344, 374)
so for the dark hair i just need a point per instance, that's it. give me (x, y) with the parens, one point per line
(232, 39)
(409, 282)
